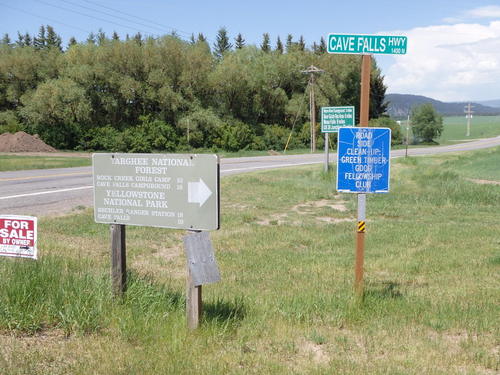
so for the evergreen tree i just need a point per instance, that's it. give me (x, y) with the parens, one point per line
(72, 42)
(279, 45)
(115, 36)
(53, 40)
(28, 41)
(91, 38)
(289, 42)
(20, 40)
(101, 37)
(240, 42)
(127, 37)
(6, 40)
(201, 37)
(302, 43)
(315, 48)
(40, 41)
(378, 105)
(138, 38)
(265, 46)
(221, 44)
(191, 39)
(322, 46)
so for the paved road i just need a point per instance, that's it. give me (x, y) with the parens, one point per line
(58, 191)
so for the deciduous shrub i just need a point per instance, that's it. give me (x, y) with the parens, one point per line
(233, 135)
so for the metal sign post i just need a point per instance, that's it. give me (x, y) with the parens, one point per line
(360, 245)
(327, 162)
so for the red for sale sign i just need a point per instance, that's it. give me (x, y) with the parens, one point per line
(18, 236)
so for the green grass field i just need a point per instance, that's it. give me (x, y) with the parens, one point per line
(455, 129)
(20, 162)
(17, 162)
(481, 127)
(285, 303)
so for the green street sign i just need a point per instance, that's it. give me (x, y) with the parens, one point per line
(367, 44)
(333, 118)
(178, 191)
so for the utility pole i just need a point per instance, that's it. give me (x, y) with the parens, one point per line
(468, 114)
(312, 108)
(407, 134)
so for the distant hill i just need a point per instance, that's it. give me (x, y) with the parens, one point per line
(401, 104)
(490, 103)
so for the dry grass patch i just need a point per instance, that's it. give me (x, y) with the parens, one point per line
(163, 262)
(310, 209)
(316, 352)
(483, 182)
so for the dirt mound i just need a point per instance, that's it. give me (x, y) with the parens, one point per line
(23, 142)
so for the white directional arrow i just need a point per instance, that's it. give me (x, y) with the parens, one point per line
(198, 192)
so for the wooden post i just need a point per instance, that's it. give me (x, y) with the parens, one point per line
(118, 259)
(194, 303)
(364, 115)
(366, 67)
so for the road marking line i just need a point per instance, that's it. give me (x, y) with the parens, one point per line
(46, 192)
(47, 175)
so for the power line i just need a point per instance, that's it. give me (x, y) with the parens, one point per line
(43, 17)
(115, 16)
(90, 16)
(140, 18)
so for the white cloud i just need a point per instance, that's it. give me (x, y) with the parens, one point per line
(485, 12)
(449, 62)
(491, 11)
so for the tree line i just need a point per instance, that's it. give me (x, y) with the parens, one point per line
(142, 94)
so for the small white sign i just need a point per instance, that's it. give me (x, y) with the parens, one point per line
(18, 236)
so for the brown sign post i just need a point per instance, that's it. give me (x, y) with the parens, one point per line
(364, 45)
(364, 114)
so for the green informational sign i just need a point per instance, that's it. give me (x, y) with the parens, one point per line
(178, 191)
(333, 118)
(367, 44)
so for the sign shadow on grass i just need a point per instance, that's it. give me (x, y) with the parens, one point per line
(222, 311)
(147, 292)
(383, 289)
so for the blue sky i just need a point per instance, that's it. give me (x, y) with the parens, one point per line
(454, 46)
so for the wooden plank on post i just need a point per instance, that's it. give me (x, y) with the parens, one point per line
(118, 259)
(194, 303)
(201, 269)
